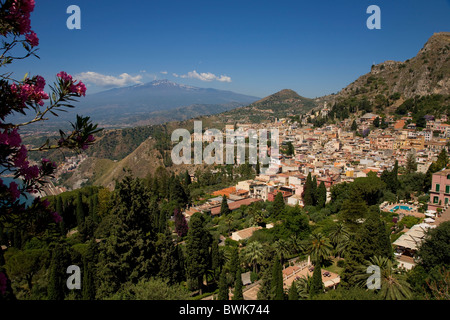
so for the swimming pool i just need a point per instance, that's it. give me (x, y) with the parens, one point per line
(408, 208)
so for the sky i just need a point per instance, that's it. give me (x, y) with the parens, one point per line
(251, 47)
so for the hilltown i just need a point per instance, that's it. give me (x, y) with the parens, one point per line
(334, 154)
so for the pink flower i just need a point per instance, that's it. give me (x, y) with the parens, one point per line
(40, 83)
(45, 203)
(32, 39)
(14, 139)
(56, 217)
(64, 76)
(30, 173)
(79, 89)
(13, 189)
(20, 158)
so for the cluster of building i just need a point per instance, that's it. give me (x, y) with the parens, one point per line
(335, 154)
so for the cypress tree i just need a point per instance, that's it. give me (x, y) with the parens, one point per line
(197, 249)
(307, 195)
(316, 281)
(258, 167)
(171, 261)
(234, 261)
(278, 205)
(237, 294)
(354, 126)
(215, 256)
(321, 195)
(89, 276)
(224, 208)
(57, 275)
(80, 210)
(277, 280)
(223, 286)
(293, 293)
(314, 190)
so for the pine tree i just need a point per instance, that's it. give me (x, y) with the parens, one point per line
(293, 293)
(316, 281)
(129, 253)
(258, 167)
(237, 294)
(353, 261)
(277, 289)
(373, 238)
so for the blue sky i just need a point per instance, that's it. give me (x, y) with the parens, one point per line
(246, 46)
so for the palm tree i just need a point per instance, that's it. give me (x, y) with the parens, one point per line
(253, 253)
(339, 236)
(303, 286)
(296, 243)
(393, 284)
(229, 221)
(283, 249)
(319, 248)
(339, 232)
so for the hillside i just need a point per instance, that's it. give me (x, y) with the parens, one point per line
(278, 105)
(426, 73)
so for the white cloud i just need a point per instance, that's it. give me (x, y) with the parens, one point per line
(109, 81)
(204, 76)
(163, 72)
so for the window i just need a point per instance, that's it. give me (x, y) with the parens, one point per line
(438, 187)
(447, 189)
(435, 199)
(448, 177)
(446, 200)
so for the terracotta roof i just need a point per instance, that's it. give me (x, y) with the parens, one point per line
(246, 233)
(235, 205)
(226, 191)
